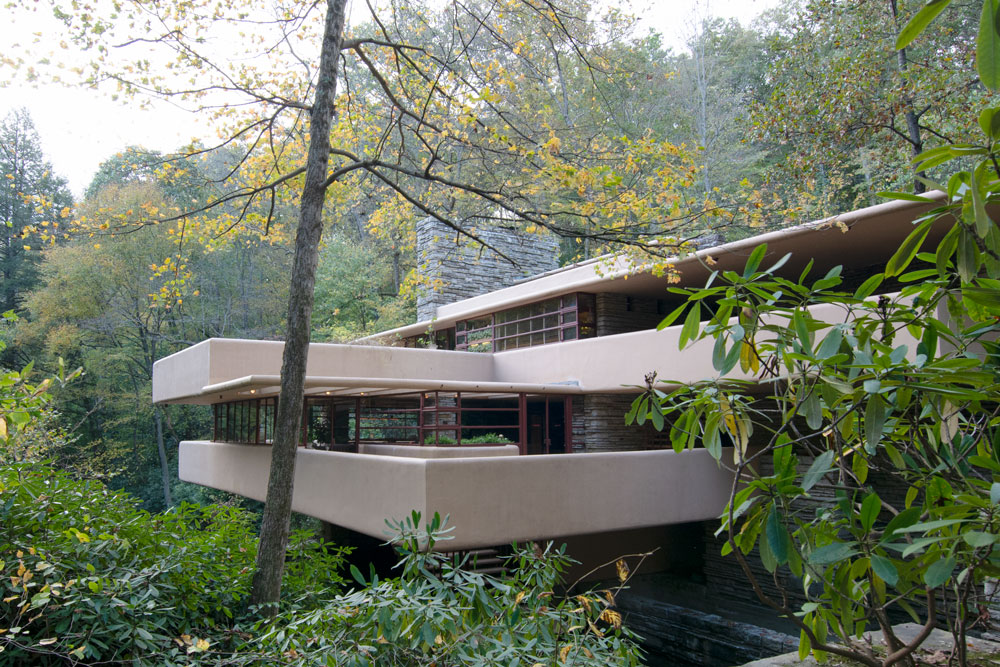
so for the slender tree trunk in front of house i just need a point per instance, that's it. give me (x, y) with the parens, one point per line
(278, 505)
(164, 466)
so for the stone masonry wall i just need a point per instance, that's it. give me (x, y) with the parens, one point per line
(678, 636)
(618, 313)
(604, 428)
(457, 268)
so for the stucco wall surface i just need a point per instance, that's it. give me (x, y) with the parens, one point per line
(490, 500)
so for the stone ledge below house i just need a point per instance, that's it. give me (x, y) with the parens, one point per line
(676, 636)
(939, 641)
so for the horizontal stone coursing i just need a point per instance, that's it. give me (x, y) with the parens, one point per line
(456, 267)
(618, 313)
(604, 428)
(680, 636)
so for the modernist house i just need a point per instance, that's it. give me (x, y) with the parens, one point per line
(504, 408)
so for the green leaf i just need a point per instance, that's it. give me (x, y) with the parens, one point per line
(930, 525)
(929, 342)
(930, 163)
(777, 537)
(884, 568)
(907, 249)
(820, 466)
(630, 415)
(984, 462)
(801, 330)
(870, 508)
(656, 415)
(813, 410)
(754, 260)
(732, 359)
(977, 539)
(906, 196)
(940, 571)
(983, 222)
(902, 520)
(922, 543)
(895, 456)
(968, 255)
(946, 248)
(919, 22)
(767, 557)
(859, 466)
(719, 353)
(908, 608)
(995, 493)
(989, 121)
(832, 553)
(831, 278)
(691, 325)
(780, 263)
(989, 298)
(669, 319)
(831, 344)
(869, 286)
(988, 46)
(713, 439)
(874, 422)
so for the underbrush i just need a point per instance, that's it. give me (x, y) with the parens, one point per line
(90, 578)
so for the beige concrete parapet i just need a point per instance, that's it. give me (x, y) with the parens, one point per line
(490, 500)
(221, 369)
(184, 375)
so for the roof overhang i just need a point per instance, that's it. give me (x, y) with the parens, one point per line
(859, 238)
(261, 386)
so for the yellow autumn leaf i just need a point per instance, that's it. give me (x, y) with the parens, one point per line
(742, 439)
(47, 641)
(611, 617)
(727, 415)
(564, 652)
(623, 570)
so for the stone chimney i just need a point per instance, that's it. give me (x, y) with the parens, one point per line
(456, 267)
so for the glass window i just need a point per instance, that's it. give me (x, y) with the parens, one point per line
(568, 317)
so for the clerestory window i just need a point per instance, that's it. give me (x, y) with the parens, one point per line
(554, 320)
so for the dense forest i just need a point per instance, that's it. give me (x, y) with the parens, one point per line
(809, 111)
(776, 123)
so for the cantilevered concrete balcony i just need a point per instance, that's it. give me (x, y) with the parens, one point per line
(490, 499)
(218, 370)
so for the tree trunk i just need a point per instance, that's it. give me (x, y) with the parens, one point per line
(278, 505)
(912, 121)
(164, 468)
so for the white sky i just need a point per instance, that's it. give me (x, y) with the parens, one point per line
(81, 128)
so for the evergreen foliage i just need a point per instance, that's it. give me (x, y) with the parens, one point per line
(31, 196)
